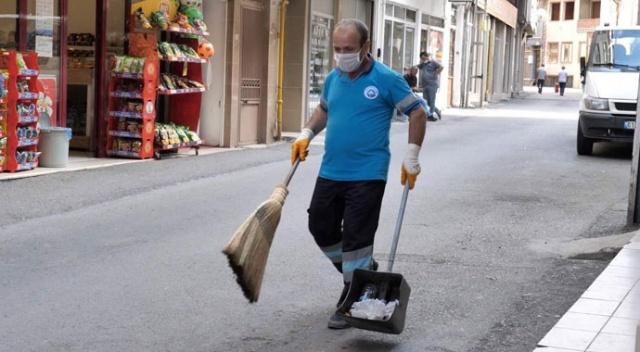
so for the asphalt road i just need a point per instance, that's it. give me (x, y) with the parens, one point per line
(127, 258)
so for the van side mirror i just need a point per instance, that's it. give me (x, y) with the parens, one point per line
(583, 69)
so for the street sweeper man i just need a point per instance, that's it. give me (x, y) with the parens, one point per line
(357, 106)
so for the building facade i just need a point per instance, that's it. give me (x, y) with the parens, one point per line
(564, 30)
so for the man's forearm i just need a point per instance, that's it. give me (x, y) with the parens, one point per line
(318, 121)
(417, 126)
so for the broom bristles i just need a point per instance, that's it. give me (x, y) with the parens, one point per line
(248, 249)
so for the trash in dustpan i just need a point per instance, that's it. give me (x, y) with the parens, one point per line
(368, 285)
(392, 289)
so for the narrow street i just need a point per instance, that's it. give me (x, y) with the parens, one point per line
(128, 258)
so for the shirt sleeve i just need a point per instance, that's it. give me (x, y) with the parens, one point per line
(401, 95)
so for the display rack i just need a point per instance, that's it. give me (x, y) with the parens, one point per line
(132, 110)
(18, 113)
(180, 106)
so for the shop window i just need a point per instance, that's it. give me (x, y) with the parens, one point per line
(595, 9)
(565, 53)
(8, 20)
(388, 10)
(411, 16)
(569, 10)
(552, 50)
(555, 11)
(433, 21)
(398, 45)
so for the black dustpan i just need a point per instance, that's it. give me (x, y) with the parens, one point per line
(390, 286)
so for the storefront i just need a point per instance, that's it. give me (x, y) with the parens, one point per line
(76, 41)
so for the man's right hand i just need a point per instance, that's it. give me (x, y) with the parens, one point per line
(299, 148)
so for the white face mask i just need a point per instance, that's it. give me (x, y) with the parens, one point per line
(348, 62)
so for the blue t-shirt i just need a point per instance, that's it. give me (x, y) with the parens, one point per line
(359, 114)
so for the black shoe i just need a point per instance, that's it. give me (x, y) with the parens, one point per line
(439, 114)
(431, 118)
(337, 322)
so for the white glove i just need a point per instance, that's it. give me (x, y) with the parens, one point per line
(411, 165)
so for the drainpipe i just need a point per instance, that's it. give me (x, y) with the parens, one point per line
(283, 11)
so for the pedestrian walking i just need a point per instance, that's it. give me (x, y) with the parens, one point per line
(356, 107)
(541, 75)
(430, 82)
(562, 80)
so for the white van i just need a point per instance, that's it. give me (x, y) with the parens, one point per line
(610, 92)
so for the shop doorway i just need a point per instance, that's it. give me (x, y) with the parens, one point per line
(83, 63)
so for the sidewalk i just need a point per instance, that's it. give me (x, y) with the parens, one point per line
(84, 161)
(604, 318)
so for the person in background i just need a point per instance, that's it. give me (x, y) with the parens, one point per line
(541, 75)
(430, 81)
(357, 105)
(562, 80)
(412, 81)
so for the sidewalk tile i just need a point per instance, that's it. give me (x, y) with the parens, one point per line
(606, 293)
(621, 271)
(580, 321)
(633, 245)
(553, 349)
(627, 258)
(594, 306)
(612, 343)
(628, 310)
(620, 326)
(568, 339)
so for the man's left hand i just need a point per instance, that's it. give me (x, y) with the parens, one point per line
(411, 166)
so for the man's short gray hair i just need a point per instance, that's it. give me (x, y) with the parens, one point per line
(359, 26)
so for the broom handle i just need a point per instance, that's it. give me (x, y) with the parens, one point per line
(396, 235)
(291, 172)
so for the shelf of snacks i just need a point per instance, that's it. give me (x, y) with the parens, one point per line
(170, 137)
(131, 108)
(177, 40)
(18, 99)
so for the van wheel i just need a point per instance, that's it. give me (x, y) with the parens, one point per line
(584, 144)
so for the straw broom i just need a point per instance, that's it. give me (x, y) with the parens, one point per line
(249, 246)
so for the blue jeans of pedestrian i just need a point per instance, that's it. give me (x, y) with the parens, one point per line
(429, 94)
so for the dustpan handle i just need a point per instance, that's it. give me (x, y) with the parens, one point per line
(291, 172)
(396, 235)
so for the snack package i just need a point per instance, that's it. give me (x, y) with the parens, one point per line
(183, 21)
(22, 65)
(159, 20)
(141, 19)
(136, 146)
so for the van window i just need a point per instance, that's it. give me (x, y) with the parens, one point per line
(616, 47)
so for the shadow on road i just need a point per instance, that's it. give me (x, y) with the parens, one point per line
(612, 150)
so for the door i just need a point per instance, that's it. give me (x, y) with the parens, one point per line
(251, 71)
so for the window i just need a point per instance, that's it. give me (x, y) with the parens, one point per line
(398, 45)
(569, 10)
(565, 53)
(555, 11)
(8, 21)
(552, 51)
(583, 49)
(595, 9)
